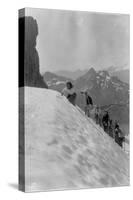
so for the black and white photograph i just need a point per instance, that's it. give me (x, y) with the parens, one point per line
(74, 91)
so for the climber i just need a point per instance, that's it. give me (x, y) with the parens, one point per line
(111, 128)
(105, 121)
(69, 92)
(116, 124)
(89, 104)
(98, 116)
(119, 136)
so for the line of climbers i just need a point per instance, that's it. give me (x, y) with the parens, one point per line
(101, 117)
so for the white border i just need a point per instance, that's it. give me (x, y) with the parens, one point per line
(9, 97)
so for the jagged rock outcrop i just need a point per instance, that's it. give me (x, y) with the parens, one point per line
(28, 55)
(66, 150)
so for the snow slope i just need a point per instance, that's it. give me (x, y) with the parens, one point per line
(66, 150)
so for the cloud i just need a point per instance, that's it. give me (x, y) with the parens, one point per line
(71, 40)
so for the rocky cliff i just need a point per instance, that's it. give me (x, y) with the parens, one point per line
(29, 74)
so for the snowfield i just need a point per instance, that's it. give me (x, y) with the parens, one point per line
(66, 150)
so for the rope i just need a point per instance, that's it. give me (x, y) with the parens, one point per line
(89, 120)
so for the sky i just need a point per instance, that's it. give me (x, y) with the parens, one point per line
(72, 40)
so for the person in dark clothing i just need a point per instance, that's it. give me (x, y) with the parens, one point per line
(88, 99)
(111, 130)
(72, 98)
(119, 136)
(89, 104)
(105, 121)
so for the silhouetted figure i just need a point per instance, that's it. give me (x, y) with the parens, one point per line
(116, 124)
(111, 128)
(105, 121)
(29, 74)
(70, 93)
(98, 116)
(89, 103)
(119, 136)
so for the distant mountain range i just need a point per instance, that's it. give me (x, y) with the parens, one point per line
(122, 75)
(122, 72)
(107, 91)
(71, 74)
